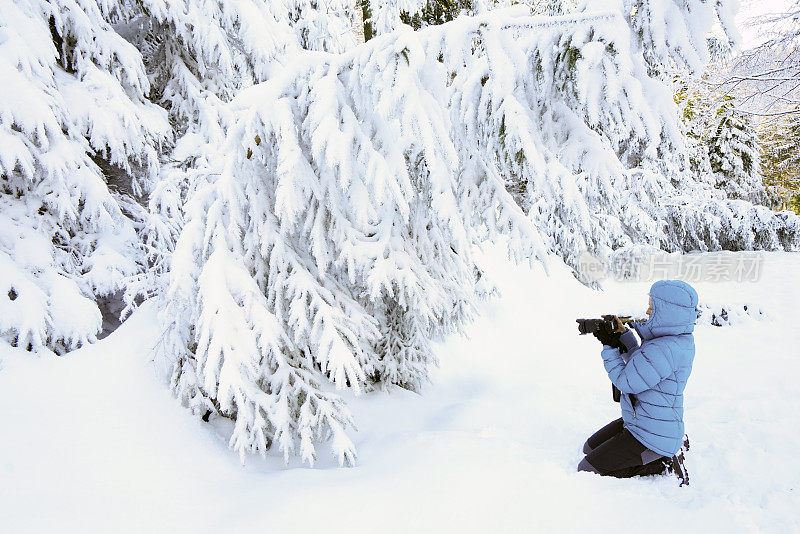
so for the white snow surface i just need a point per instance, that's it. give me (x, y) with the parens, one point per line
(94, 442)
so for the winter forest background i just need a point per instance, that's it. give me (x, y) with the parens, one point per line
(305, 207)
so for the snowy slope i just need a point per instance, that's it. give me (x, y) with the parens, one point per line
(93, 442)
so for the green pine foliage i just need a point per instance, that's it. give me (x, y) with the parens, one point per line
(780, 144)
(436, 12)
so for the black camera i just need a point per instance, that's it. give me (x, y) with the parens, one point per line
(590, 326)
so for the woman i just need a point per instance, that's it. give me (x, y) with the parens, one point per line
(651, 378)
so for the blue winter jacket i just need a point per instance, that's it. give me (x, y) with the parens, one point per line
(655, 373)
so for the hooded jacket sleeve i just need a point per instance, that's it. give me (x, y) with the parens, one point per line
(628, 339)
(646, 367)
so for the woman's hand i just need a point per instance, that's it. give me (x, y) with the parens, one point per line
(606, 336)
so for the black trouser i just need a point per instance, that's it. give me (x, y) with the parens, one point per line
(615, 452)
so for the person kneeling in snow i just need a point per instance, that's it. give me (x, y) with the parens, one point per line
(651, 378)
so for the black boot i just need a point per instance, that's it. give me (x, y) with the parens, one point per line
(678, 464)
(656, 467)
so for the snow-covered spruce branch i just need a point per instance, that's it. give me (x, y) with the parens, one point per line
(74, 98)
(673, 32)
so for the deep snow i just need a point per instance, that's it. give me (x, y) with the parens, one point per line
(94, 442)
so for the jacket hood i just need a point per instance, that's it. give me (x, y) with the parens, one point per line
(674, 306)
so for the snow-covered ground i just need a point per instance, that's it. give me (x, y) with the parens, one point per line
(94, 442)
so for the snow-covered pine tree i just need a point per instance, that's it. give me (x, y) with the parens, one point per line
(734, 153)
(74, 103)
(696, 112)
(334, 243)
